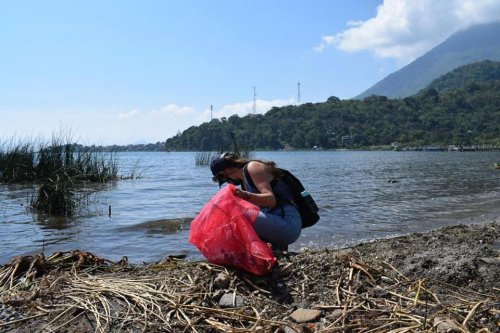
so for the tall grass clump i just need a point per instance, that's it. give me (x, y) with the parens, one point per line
(65, 161)
(205, 158)
(17, 161)
(60, 170)
(37, 161)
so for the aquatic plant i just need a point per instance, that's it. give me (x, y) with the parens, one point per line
(22, 162)
(58, 168)
(205, 157)
(16, 161)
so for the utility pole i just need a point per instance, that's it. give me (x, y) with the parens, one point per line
(298, 93)
(211, 111)
(254, 100)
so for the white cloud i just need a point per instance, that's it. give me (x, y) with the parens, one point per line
(173, 109)
(243, 109)
(352, 23)
(167, 110)
(405, 29)
(327, 40)
(129, 114)
(149, 125)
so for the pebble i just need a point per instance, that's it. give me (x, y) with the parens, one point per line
(229, 301)
(305, 315)
(222, 281)
(288, 329)
(446, 325)
(8, 313)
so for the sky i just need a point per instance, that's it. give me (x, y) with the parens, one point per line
(127, 72)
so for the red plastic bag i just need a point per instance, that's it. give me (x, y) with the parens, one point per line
(223, 232)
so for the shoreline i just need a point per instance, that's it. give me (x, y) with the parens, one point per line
(446, 277)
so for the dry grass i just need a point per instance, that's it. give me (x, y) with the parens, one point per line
(77, 291)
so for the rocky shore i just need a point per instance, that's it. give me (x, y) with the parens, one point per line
(446, 280)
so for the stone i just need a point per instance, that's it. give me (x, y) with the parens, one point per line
(305, 315)
(491, 261)
(222, 281)
(288, 329)
(446, 325)
(229, 301)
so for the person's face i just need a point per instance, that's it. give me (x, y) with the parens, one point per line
(229, 175)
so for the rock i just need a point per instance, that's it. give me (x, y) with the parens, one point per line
(446, 325)
(379, 293)
(491, 261)
(386, 279)
(229, 301)
(305, 315)
(288, 329)
(222, 281)
(336, 313)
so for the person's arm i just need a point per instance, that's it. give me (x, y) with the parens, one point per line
(262, 181)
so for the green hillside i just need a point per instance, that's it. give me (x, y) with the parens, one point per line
(475, 44)
(468, 115)
(480, 71)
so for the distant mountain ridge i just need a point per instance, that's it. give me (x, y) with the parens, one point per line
(480, 42)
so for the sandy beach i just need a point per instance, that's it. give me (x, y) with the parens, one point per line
(445, 280)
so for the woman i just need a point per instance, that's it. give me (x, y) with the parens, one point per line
(278, 221)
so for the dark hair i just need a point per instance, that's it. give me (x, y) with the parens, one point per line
(236, 161)
(231, 160)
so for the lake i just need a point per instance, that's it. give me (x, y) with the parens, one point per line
(362, 196)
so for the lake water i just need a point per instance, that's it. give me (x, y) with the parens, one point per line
(150, 215)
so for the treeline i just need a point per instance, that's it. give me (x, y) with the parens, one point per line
(158, 146)
(464, 116)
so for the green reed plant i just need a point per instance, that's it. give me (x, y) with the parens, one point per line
(65, 161)
(59, 169)
(205, 157)
(24, 163)
(55, 198)
(16, 161)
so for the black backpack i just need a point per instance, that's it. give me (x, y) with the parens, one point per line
(303, 201)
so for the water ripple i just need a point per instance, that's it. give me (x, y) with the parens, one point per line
(361, 195)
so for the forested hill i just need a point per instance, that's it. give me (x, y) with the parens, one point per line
(480, 42)
(480, 71)
(468, 115)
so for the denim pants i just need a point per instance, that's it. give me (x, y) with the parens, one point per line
(277, 226)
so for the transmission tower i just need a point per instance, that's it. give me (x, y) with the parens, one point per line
(254, 100)
(298, 93)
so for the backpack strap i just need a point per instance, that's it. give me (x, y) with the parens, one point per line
(249, 179)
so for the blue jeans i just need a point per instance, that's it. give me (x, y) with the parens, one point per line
(273, 228)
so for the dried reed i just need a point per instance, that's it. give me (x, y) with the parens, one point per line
(178, 296)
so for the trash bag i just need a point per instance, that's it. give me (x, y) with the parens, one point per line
(223, 232)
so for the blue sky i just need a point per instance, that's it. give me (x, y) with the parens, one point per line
(120, 72)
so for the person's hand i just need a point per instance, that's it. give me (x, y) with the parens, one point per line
(242, 194)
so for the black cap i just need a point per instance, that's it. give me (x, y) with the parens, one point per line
(219, 164)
